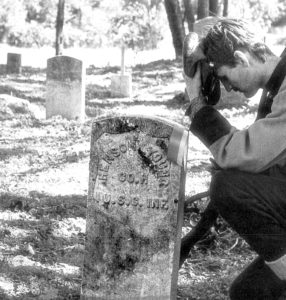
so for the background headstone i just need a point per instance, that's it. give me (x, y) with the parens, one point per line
(14, 63)
(65, 88)
(121, 85)
(134, 211)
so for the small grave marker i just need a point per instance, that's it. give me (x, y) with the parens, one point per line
(65, 88)
(134, 211)
(121, 85)
(14, 63)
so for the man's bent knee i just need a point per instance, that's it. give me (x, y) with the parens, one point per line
(221, 187)
(228, 192)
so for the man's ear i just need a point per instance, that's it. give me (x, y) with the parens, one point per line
(241, 58)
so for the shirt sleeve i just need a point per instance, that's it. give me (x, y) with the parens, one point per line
(254, 149)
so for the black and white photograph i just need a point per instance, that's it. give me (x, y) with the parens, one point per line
(142, 150)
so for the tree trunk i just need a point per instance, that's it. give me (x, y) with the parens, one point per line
(60, 26)
(225, 8)
(175, 19)
(189, 14)
(203, 9)
(213, 5)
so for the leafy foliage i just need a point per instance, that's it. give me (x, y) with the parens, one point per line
(91, 23)
(139, 24)
(262, 12)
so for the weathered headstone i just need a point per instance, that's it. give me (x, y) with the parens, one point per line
(121, 85)
(134, 211)
(14, 63)
(65, 88)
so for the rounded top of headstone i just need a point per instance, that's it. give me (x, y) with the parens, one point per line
(65, 58)
(64, 68)
(157, 126)
(13, 54)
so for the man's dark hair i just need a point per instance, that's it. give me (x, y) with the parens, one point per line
(229, 35)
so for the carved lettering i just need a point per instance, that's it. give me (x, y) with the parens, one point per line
(103, 172)
(150, 152)
(121, 200)
(108, 158)
(115, 152)
(163, 173)
(102, 177)
(144, 179)
(163, 164)
(123, 148)
(135, 201)
(155, 203)
(163, 181)
(127, 202)
(156, 156)
(133, 178)
(105, 200)
(103, 168)
(102, 197)
(164, 204)
(149, 203)
(122, 177)
(130, 178)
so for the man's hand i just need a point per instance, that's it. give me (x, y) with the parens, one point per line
(192, 55)
(199, 75)
(193, 85)
(193, 88)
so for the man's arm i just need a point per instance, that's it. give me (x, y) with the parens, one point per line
(254, 149)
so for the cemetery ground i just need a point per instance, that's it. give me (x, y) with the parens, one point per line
(44, 182)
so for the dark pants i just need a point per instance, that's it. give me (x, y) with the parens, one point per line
(254, 205)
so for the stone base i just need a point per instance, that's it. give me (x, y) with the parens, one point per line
(121, 85)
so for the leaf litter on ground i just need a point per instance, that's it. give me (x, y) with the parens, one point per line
(44, 183)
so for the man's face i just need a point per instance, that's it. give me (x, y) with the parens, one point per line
(239, 78)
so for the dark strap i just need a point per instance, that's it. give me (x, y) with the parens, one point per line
(271, 88)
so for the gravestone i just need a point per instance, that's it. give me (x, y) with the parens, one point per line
(121, 85)
(14, 63)
(65, 94)
(134, 211)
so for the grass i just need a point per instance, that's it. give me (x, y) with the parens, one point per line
(44, 182)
